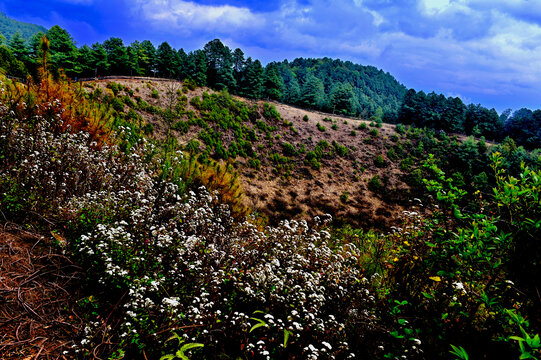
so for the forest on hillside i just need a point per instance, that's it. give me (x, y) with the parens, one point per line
(9, 27)
(333, 86)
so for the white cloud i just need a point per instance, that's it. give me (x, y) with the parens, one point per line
(189, 16)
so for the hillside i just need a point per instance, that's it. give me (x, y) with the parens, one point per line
(284, 184)
(109, 175)
(9, 26)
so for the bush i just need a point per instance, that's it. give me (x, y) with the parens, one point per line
(305, 118)
(270, 112)
(391, 154)
(379, 161)
(374, 184)
(288, 149)
(374, 133)
(320, 127)
(400, 128)
(154, 94)
(362, 126)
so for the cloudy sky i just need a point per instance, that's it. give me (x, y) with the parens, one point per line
(484, 51)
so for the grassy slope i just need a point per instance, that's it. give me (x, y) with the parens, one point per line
(307, 192)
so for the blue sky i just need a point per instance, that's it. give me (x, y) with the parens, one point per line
(484, 51)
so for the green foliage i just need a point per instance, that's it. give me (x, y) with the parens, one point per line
(305, 118)
(9, 27)
(183, 348)
(270, 112)
(341, 150)
(288, 149)
(374, 133)
(154, 94)
(379, 161)
(321, 127)
(401, 129)
(374, 184)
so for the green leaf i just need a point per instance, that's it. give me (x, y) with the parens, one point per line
(191, 346)
(258, 325)
(181, 355)
(459, 352)
(167, 357)
(287, 333)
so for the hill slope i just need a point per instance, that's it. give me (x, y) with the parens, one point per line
(293, 163)
(9, 26)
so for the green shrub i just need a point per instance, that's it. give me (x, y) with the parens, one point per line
(334, 126)
(117, 104)
(374, 132)
(362, 126)
(288, 149)
(320, 127)
(254, 163)
(406, 164)
(401, 129)
(154, 94)
(353, 133)
(379, 161)
(305, 118)
(374, 184)
(391, 154)
(193, 146)
(344, 197)
(415, 178)
(270, 112)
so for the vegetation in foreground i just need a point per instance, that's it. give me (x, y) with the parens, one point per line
(172, 273)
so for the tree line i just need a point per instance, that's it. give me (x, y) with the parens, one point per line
(334, 86)
(450, 114)
(322, 84)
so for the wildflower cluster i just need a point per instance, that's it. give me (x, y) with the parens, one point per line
(187, 265)
(177, 261)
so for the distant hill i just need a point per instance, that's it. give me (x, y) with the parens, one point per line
(347, 88)
(8, 27)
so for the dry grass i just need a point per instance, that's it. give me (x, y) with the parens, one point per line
(307, 192)
(37, 297)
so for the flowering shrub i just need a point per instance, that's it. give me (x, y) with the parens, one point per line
(186, 265)
(166, 261)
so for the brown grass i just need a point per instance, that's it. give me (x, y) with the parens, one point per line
(37, 297)
(307, 192)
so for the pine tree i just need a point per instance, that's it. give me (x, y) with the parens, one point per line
(252, 86)
(166, 56)
(117, 55)
(312, 94)
(63, 51)
(273, 84)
